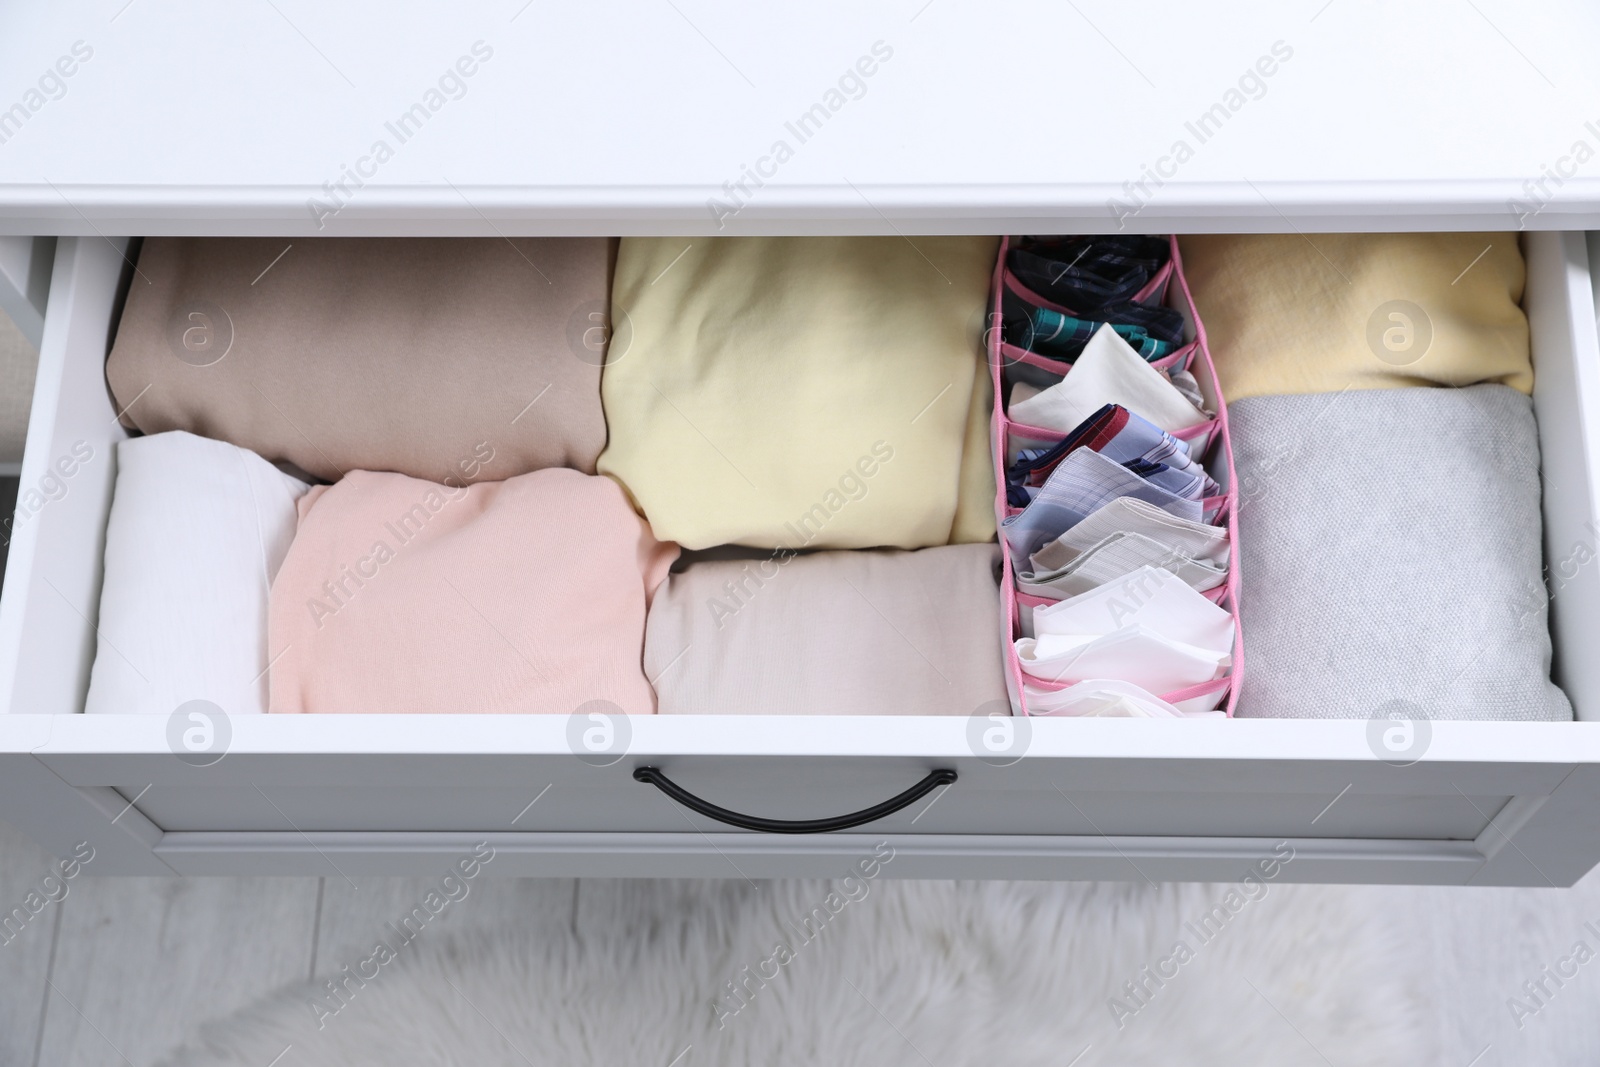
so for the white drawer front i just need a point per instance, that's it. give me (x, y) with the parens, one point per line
(1251, 120)
(1507, 803)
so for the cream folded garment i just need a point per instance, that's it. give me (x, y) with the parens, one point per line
(453, 360)
(1288, 313)
(1148, 628)
(526, 595)
(803, 392)
(198, 529)
(831, 633)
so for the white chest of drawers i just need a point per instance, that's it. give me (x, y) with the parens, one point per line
(695, 119)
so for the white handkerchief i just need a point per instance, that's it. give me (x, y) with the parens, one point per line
(1111, 558)
(1116, 556)
(1150, 599)
(1108, 371)
(1107, 698)
(1197, 540)
(1136, 654)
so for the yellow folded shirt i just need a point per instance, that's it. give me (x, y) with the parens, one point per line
(1286, 313)
(789, 392)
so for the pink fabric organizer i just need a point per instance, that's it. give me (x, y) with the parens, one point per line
(1171, 288)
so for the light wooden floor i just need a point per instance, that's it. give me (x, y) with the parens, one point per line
(123, 968)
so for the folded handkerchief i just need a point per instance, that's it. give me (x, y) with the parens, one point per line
(1107, 698)
(1197, 540)
(1088, 273)
(1107, 372)
(1188, 385)
(1080, 485)
(1118, 434)
(1190, 482)
(1062, 336)
(1116, 555)
(1137, 654)
(1150, 597)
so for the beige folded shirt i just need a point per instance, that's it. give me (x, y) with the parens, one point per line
(454, 360)
(879, 632)
(1319, 313)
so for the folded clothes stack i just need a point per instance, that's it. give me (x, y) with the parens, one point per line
(419, 356)
(874, 632)
(527, 595)
(792, 394)
(1431, 599)
(1390, 529)
(1324, 313)
(803, 392)
(1114, 526)
(197, 533)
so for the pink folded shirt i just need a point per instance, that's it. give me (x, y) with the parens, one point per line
(527, 595)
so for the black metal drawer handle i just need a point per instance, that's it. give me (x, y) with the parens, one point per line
(933, 781)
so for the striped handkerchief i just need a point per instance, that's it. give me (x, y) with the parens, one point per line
(1083, 483)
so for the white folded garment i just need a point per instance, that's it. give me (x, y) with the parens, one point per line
(1107, 698)
(197, 531)
(1150, 597)
(1108, 371)
(1136, 654)
(1196, 540)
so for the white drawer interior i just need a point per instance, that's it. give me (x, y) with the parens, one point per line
(379, 774)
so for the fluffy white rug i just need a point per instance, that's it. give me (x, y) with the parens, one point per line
(876, 973)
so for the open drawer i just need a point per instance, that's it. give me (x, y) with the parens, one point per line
(1324, 801)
